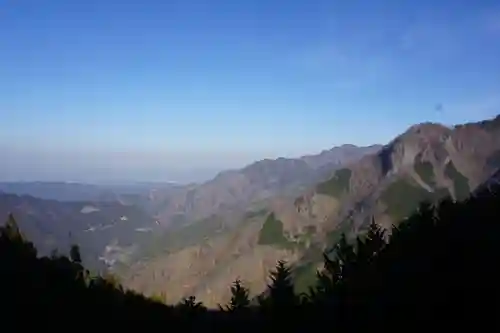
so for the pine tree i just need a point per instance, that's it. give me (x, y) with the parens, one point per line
(346, 258)
(281, 290)
(11, 229)
(240, 297)
(189, 306)
(76, 258)
(74, 254)
(332, 268)
(372, 244)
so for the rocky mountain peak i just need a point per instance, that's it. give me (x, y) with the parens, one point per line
(422, 141)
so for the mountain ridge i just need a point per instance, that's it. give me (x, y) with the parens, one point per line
(255, 181)
(427, 162)
(42, 207)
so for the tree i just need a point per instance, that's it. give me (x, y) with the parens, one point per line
(371, 244)
(11, 229)
(191, 303)
(240, 297)
(12, 235)
(74, 254)
(281, 289)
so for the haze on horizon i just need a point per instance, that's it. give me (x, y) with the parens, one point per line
(106, 90)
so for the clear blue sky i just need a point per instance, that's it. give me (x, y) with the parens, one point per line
(161, 88)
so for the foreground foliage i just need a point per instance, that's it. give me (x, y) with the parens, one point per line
(438, 267)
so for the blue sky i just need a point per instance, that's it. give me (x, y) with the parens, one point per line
(163, 89)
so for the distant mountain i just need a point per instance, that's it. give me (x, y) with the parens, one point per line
(107, 232)
(338, 155)
(61, 191)
(237, 189)
(74, 191)
(426, 163)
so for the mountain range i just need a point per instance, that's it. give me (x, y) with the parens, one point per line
(239, 189)
(116, 224)
(195, 239)
(427, 162)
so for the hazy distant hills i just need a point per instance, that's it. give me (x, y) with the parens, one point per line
(61, 191)
(107, 232)
(74, 191)
(109, 222)
(425, 163)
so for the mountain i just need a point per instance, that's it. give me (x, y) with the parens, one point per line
(114, 222)
(436, 267)
(238, 189)
(107, 232)
(74, 191)
(61, 191)
(427, 162)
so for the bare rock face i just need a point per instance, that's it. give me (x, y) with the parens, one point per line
(474, 149)
(424, 140)
(430, 158)
(425, 163)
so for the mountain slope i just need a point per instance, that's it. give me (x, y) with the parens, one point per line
(107, 232)
(426, 163)
(257, 181)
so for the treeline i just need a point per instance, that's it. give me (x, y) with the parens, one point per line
(440, 267)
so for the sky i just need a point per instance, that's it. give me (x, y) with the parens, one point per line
(179, 89)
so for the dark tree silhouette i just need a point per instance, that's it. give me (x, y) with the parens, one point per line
(74, 254)
(239, 297)
(280, 293)
(439, 266)
(11, 229)
(190, 306)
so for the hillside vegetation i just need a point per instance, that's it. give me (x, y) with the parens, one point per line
(402, 197)
(337, 185)
(460, 183)
(425, 171)
(272, 233)
(418, 276)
